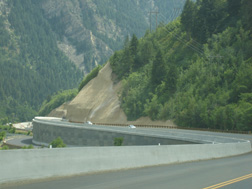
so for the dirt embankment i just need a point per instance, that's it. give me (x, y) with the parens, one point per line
(98, 102)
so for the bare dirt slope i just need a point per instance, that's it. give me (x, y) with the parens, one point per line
(98, 102)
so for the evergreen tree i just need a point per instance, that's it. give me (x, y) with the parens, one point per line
(210, 17)
(133, 52)
(126, 42)
(188, 16)
(158, 69)
(127, 61)
(146, 52)
(171, 79)
(134, 45)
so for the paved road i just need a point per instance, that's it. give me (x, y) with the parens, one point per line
(176, 132)
(20, 140)
(193, 175)
(158, 131)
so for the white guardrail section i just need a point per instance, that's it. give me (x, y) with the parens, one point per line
(25, 164)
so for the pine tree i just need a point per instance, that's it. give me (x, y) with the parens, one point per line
(188, 16)
(171, 80)
(158, 69)
(134, 45)
(133, 52)
(146, 52)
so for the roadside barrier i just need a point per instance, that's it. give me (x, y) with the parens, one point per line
(177, 127)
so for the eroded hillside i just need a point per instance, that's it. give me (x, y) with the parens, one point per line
(98, 102)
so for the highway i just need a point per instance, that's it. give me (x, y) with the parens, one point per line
(176, 132)
(192, 175)
(232, 172)
(24, 140)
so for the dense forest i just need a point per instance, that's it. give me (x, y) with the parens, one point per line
(32, 66)
(196, 70)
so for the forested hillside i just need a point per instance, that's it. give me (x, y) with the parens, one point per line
(47, 45)
(31, 65)
(196, 70)
(91, 30)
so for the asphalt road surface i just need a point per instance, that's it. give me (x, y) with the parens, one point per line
(20, 140)
(233, 172)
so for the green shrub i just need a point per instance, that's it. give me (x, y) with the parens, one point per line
(58, 143)
(28, 147)
(57, 100)
(12, 130)
(5, 147)
(2, 135)
(118, 141)
(89, 77)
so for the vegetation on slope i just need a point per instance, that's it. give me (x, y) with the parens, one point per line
(168, 74)
(89, 77)
(32, 66)
(56, 100)
(61, 97)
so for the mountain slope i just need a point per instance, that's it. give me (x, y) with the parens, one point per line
(90, 30)
(32, 66)
(44, 45)
(173, 76)
(168, 74)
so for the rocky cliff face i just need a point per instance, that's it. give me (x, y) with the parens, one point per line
(91, 30)
(77, 41)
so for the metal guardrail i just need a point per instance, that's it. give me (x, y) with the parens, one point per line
(169, 127)
(176, 127)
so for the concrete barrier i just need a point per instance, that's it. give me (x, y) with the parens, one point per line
(43, 163)
(25, 164)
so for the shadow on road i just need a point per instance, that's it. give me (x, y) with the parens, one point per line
(27, 141)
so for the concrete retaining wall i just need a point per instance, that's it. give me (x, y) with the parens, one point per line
(44, 132)
(42, 163)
